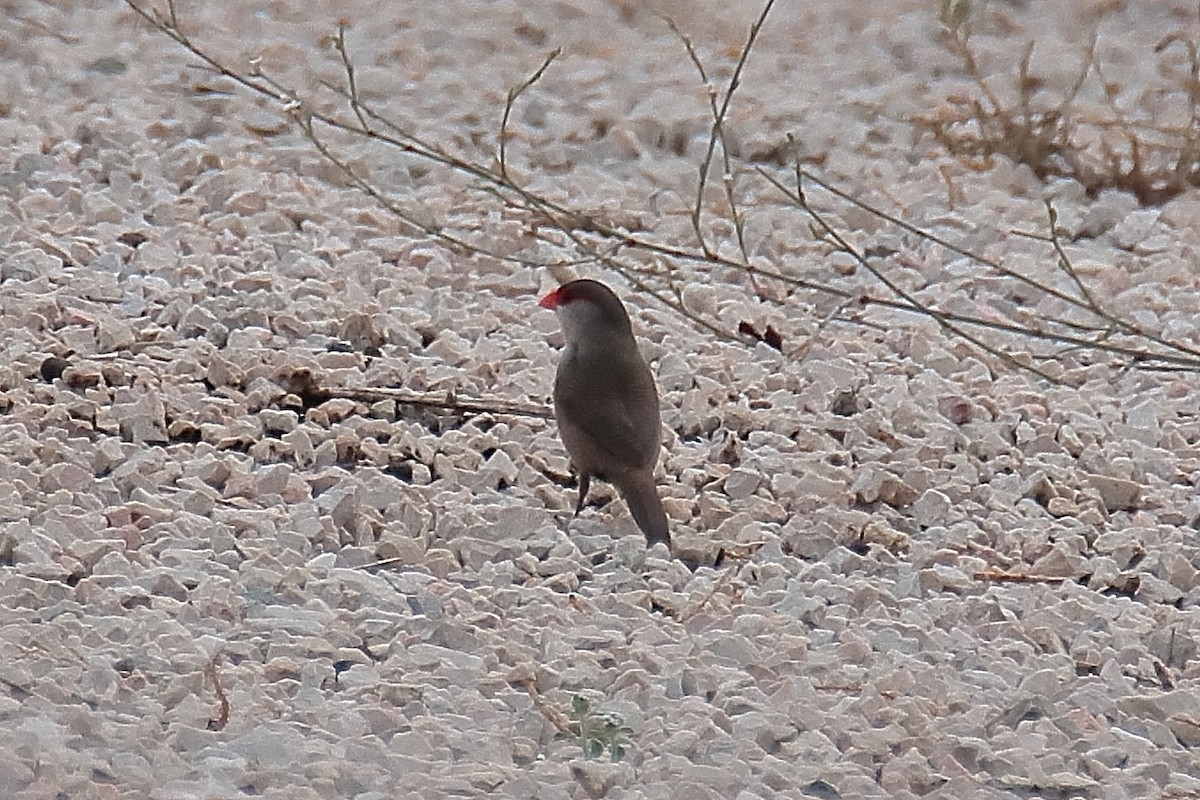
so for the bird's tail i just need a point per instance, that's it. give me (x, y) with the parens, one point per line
(641, 495)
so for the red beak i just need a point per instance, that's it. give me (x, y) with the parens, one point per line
(550, 301)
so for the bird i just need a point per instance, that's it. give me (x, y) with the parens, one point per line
(606, 403)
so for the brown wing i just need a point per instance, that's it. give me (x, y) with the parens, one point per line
(612, 404)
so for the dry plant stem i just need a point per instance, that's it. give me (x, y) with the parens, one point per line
(555, 717)
(950, 246)
(513, 94)
(339, 42)
(218, 722)
(373, 125)
(443, 400)
(1028, 136)
(717, 133)
(739, 223)
(1178, 356)
(1115, 324)
(501, 185)
(953, 321)
(1048, 141)
(1016, 577)
(1137, 166)
(718, 130)
(941, 319)
(455, 242)
(170, 26)
(560, 216)
(1065, 265)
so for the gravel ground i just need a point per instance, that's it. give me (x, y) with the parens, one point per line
(188, 604)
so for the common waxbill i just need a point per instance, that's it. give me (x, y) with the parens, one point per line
(606, 403)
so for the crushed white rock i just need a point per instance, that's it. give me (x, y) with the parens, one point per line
(938, 576)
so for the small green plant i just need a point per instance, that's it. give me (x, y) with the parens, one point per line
(596, 733)
(953, 13)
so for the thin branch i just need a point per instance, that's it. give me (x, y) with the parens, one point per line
(649, 264)
(1116, 324)
(719, 124)
(1189, 354)
(717, 132)
(339, 43)
(939, 241)
(306, 126)
(443, 400)
(941, 319)
(1065, 265)
(953, 321)
(303, 383)
(711, 91)
(513, 94)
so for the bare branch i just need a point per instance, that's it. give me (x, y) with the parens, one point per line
(513, 94)
(339, 42)
(661, 269)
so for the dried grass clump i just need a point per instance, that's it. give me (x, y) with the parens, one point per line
(1100, 145)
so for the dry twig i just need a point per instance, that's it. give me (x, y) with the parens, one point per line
(658, 269)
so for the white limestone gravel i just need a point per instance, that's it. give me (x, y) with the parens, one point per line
(188, 602)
